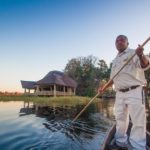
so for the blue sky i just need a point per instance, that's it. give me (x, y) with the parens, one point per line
(38, 36)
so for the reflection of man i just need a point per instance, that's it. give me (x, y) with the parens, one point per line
(129, 94)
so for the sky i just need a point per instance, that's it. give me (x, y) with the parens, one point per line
(38, 36)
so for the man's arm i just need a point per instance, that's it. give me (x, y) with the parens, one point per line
(143, 59)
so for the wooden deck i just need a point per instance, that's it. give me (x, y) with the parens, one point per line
(51, 93)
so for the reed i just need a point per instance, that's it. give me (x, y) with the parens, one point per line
(48, 100)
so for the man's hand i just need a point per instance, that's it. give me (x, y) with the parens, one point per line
(103, 86)
(139, 51)
(100, 90)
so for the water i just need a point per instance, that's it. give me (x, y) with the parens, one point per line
(30, 126)
(38, 126)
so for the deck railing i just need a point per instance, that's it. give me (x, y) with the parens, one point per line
(52, 93)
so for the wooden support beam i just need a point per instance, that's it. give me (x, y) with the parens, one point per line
(64, 91)
(74, 91)
(54, 90)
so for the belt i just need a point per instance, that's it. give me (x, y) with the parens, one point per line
(130, 88)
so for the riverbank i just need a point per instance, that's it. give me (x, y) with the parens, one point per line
(62, 99)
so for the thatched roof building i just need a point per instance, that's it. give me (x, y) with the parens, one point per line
(53, 84)
(59, 78)
(28, 84)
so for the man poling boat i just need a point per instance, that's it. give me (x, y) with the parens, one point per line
(130, 97)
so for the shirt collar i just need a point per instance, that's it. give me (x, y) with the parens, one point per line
(125, 51)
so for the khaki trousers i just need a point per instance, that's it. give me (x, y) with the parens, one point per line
(131, 103)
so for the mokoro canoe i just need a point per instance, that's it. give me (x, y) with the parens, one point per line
(110, 136)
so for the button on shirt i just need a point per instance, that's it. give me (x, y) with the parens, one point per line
(132, 74)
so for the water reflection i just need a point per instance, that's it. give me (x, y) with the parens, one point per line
(105, 108)
(102, 111)
(53, 113)
(91, 126)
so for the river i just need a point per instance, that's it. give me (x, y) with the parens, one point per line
(34, 126)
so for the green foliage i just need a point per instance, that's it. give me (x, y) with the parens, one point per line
(87, 71)
(147, 75)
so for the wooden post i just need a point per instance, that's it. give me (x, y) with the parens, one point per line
(25, 90)
(74, 91)
(70, 92)
(49, 90)
(54, 90)
(64, 91)
(37, 88)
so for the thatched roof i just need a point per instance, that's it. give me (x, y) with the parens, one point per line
(28, 84)
(59, 78)
(53, 77)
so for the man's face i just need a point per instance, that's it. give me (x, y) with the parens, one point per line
(121, 43)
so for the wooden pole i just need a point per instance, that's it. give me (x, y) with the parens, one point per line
(78, 115)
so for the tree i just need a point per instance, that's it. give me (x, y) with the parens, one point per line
(73, 68)
(147, 76)
(102, 71)
(87, 71)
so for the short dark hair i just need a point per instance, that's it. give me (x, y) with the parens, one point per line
(121, 35)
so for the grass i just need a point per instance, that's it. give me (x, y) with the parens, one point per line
(69, 100)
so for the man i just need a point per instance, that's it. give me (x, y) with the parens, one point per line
(129, 94)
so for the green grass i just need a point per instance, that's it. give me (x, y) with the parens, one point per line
(69, 100)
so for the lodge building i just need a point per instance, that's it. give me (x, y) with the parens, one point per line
(55, 83)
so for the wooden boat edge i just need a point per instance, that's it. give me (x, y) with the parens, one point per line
(110, 136)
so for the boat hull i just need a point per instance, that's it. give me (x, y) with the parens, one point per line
(110, 136)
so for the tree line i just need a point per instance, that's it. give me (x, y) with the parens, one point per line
(88, 72)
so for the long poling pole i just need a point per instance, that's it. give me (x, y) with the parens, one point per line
(79, 114)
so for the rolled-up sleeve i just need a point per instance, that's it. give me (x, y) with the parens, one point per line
(139, 64)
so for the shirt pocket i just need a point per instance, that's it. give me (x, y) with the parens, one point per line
(126, 61)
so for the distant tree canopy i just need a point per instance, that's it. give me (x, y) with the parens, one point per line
(87, 71)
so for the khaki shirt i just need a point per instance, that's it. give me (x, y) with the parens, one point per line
(132, 74)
